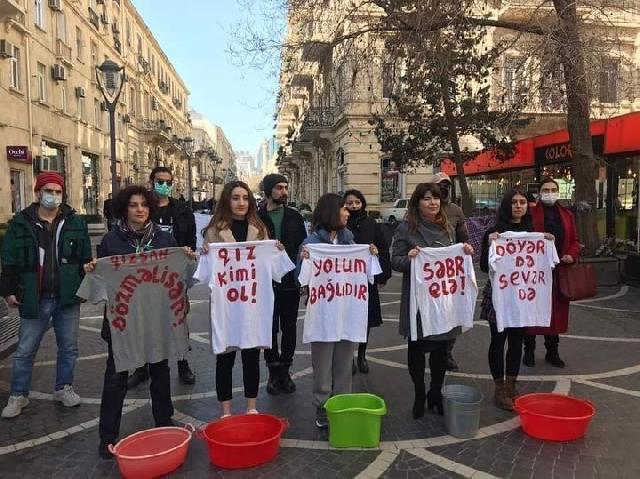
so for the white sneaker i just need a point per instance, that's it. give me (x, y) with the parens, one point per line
(14, 406)
(67, 396)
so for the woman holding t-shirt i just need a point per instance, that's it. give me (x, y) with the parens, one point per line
(236, 219)
(426, 226)
(134, 233)
(513, 215)
(331, 362)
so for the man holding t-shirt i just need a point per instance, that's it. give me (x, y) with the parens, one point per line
(174, 217)
(286, 225)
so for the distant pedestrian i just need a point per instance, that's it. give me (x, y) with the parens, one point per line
(426, 226)
(286, 225)
(456, 219)
(549, 216)
(43, 251)
(108, 212)
(367, 231)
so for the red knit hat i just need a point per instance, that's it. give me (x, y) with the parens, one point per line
(48, 177)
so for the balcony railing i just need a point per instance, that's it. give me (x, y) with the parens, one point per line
(94, 19)
(63, 52)
(319, 118)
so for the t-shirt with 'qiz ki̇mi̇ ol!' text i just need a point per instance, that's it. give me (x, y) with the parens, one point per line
(145, 294)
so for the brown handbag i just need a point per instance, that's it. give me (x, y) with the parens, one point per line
(577, 281)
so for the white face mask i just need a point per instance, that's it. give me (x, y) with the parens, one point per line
(549, 199)
(49, 201)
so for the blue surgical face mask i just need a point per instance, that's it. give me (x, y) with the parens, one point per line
(162, 189)
(50, 201)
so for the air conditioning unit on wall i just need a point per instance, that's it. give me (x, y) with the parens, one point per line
(55, 5)
(59, 73)
(81, 92)
(6, 49)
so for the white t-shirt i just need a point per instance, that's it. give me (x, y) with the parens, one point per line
(239, 276)
(443, 290)
(338, 278)
(521, 265)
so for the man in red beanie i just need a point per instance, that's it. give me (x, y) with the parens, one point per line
(43, 254)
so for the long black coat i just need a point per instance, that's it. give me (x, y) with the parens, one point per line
(366, 231)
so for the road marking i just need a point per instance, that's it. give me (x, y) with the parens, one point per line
(449, 465)
(379, 466)
(621, 292)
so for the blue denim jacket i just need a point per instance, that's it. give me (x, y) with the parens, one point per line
(322, 236)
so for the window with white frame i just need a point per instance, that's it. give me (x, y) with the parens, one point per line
(63, 97)
(97, 113)
(61, 27)
(608, 84)
(516, 79)
(81, 109)
(79, 45)
(14, 69)
(39, 12)
(94, 60)
(41, 79)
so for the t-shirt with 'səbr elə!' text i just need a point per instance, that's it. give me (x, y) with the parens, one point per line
(240, 278)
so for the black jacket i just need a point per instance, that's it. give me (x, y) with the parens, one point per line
(366, 231)
(293, 234)
(184, 223)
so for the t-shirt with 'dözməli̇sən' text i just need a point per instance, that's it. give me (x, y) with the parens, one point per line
(146, 304)
(521, 274)
(240, 278)
(338, 277)
(443, 290)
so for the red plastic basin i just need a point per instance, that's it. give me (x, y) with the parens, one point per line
(239, 442)
(152, 453)
(554, 417)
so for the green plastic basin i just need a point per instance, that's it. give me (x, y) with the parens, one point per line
(355, 419)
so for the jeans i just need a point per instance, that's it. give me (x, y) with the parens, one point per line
(65, 321)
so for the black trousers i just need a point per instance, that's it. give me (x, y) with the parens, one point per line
(497, 361)
(551, 341)
(250, 373)
(115, 390)
(285, 319)
(437, 363)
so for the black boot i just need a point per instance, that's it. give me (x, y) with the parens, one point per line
(552, 356)
(418, 403)
(434, 401)
(529, 356)
(363, 364)
(273, 384)
(185, 373)
(287, 385)
(139, 376)
(103, 451)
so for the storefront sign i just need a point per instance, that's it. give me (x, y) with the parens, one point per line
(561, 153)
(19, 153)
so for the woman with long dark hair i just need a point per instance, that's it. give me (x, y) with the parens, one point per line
(331, 361)
(512, 215)
(236, 220)
(426, 226)
(133, 233)
(366, 231)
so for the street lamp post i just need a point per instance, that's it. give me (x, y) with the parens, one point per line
(187, 146)
(110, 78)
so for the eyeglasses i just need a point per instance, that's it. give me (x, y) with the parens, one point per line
(162, 182)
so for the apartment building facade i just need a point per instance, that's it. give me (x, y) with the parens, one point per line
(214, 159)
(328, 94)
(53, 115)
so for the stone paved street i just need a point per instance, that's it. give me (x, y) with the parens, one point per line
(603, 366)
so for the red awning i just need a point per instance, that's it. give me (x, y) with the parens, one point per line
(621, 135)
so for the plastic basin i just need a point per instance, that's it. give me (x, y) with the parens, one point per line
(152, 453)
(240, 442)
(355, 420)
(554, 417)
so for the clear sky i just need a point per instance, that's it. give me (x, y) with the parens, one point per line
(195, 35)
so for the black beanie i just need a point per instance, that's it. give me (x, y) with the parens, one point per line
(270, 181)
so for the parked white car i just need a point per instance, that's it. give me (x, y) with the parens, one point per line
(396, 212)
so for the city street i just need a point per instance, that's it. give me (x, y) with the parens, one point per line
(603, 366)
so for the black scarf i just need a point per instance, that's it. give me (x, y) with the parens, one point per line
(140, 239)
